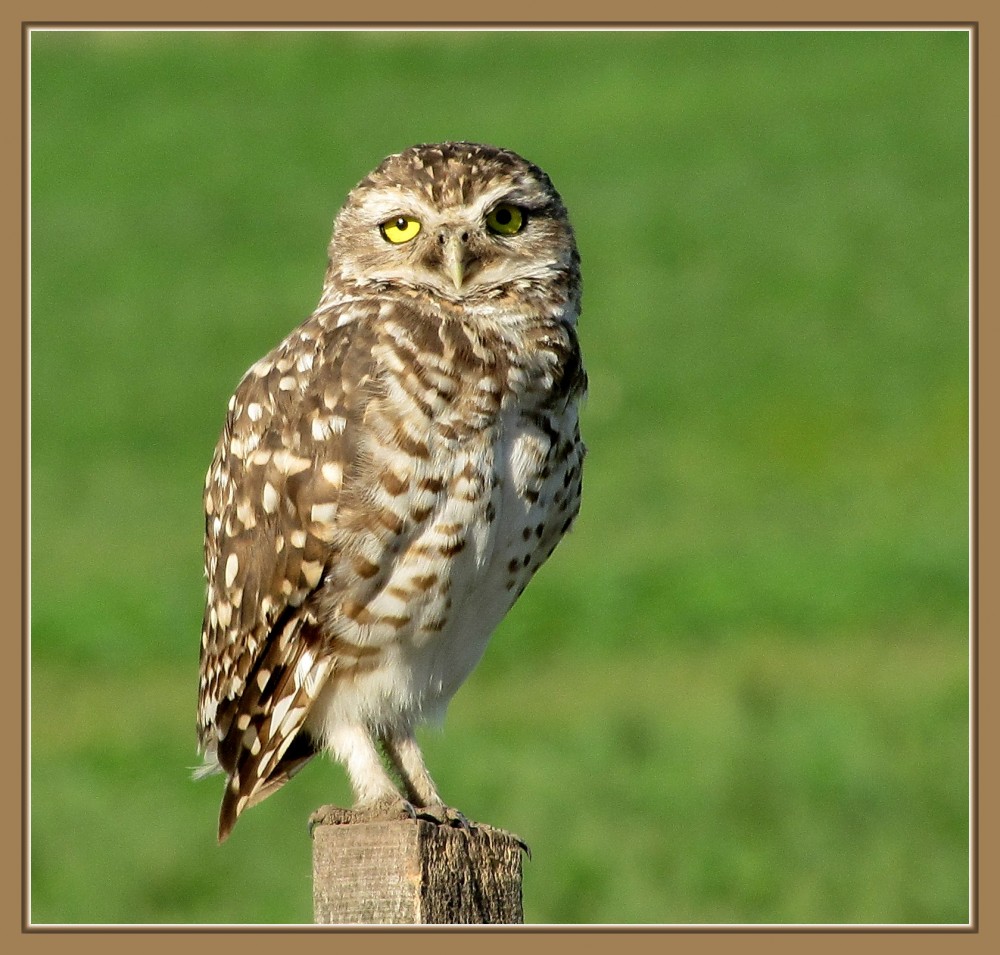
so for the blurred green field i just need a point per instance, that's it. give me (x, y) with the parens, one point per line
(739, 690)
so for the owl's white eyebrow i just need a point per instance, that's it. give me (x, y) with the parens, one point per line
(500, 194)
(383, 207)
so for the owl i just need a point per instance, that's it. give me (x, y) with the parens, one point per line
(390, 477)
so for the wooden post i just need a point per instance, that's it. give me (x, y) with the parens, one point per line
(415, 872)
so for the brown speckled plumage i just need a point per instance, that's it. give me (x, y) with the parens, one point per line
(391, 476)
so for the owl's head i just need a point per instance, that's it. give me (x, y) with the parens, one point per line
(462, 222)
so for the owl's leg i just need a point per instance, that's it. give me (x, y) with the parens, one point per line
(403, 751)
(375, 794)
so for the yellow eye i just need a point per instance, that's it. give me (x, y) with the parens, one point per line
(399, 230)
(505, 219)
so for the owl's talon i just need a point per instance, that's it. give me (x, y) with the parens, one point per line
(445, 816)
(391, 809)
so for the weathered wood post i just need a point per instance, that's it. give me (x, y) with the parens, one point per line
(414, 872)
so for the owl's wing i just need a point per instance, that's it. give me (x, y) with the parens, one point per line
(272, 496)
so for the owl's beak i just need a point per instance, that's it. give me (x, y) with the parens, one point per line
(456, 258)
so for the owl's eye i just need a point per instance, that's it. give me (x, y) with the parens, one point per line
(399, 230)
(505, 219)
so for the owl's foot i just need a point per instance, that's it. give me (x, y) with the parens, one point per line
(385, 810)
(392, 809)
(444, 816)
(504, 834)
(397, 809)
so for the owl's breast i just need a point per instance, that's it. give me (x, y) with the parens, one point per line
(468, 481)
(512, 498)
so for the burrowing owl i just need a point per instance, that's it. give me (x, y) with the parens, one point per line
(391, 476)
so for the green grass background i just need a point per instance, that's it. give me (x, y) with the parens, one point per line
(739, 691)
